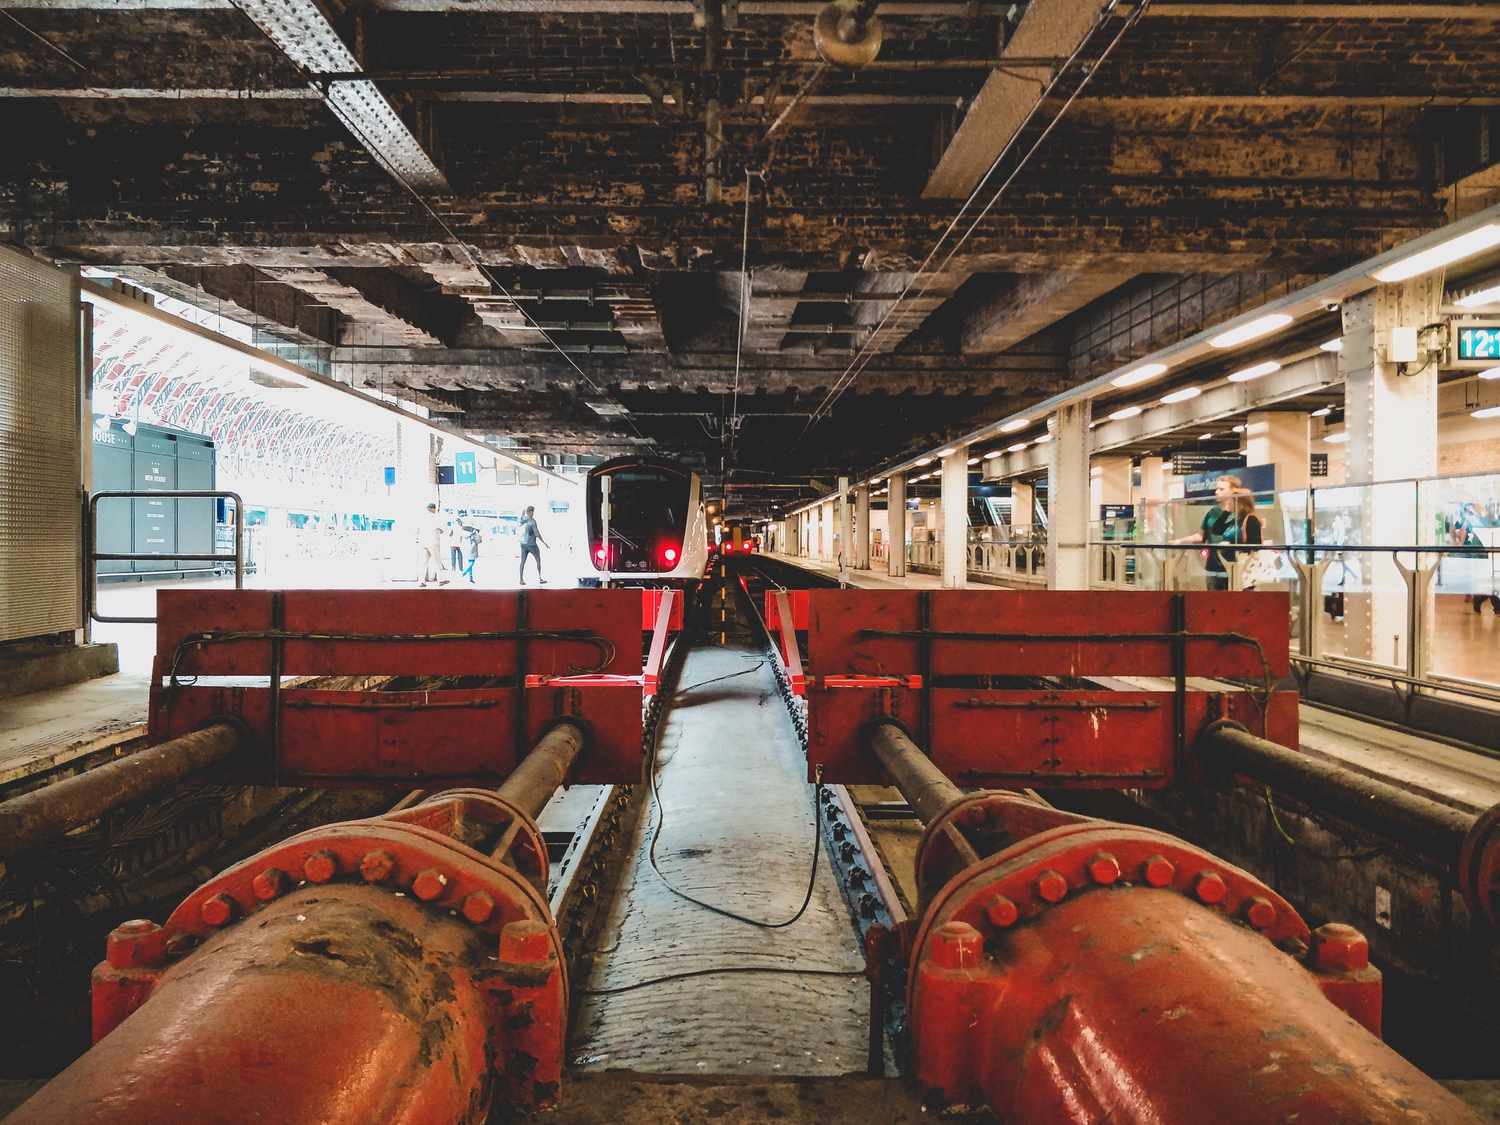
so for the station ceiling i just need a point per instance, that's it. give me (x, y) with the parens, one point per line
(602, 226)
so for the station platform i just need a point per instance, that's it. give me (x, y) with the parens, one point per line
(874, 579)
(47, 731)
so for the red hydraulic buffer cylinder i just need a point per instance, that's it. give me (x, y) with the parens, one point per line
(1087, 971)
(403, 969)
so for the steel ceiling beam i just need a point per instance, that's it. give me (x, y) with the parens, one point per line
(301, 30)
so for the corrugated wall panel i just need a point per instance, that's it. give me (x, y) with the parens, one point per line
(40, 519)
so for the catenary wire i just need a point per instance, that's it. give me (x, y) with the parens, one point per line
(862, 358)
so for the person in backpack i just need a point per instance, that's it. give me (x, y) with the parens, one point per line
(1232, 520)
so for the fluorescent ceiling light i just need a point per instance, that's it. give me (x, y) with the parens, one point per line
(1182, 394)
(1261, 326)
(992, 454)
(1045, 438)
(1255, 372)
(946, 452)
(1139, 375)
(1334, 345)
(1321, 413)
(1124, 412)
(1343, 436)
(1486, 412)
(1204, 437)
(1239, 429)
(923, 461)
(1015, 424)
(1486, 296)
(972, 461)
(1020, 445)
(1490, 373)
(1464, 246)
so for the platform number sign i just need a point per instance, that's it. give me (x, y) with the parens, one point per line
(465, 470)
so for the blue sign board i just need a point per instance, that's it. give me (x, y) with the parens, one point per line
(390, 475)
(1480, 341)
(465, 469)
(1117, 511)
(1259, 479)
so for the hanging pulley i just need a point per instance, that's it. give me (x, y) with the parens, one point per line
(846, 33)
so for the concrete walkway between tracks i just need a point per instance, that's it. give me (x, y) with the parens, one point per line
(739, 833)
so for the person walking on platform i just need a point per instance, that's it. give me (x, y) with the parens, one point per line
(1232, 520)
(530, 537)
(430, 548)
(471, 540)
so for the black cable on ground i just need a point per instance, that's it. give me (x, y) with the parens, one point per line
(661, 819)
(790, 971)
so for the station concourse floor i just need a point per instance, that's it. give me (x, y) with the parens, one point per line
(1434, 769)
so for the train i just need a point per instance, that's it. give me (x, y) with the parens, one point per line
(657, 529)
(739, 537)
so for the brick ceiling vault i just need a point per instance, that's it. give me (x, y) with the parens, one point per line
(472, 201)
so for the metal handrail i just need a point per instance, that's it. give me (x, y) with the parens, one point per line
(93, 556)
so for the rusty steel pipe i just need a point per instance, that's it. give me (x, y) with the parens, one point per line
(393, 969)
(539, 775)
(1434, 830)
(44, 814)
(926, 788)
(313, 1013)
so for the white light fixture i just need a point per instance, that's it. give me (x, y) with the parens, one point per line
(972, 461)
(130, 427)
(1341, 437)
(1238, 429)
(1261, 326)
(1015, 424)
(1020, 445)
(1486, 296)
(1486, 412)
(1182, 394)
(101, 423)
(1490, 373)
(1248, 373)
(992, 454)
(1139, 375)
(1204, 437)
(1464, 246)
(1334, 345)
(1124, 412)
(946, 452)
(923, 461)
(1323, 412)
(1045, 438)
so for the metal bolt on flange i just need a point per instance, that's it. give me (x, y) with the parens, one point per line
(976, 814)
(429, 884)
(1158, 871)
(1051, 886)
(1001, 911)
(136, 942)
(957, 945)
(1210, 888)
(525, 942)
(270, 884)
(1259, 912)
(1340, 948)
(1104, 868)
(217, 910)
(321, 866)
(376, 866)
(478, 907)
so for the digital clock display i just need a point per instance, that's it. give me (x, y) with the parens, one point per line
(1479, 342)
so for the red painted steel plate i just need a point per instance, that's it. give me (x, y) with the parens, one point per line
(841, 640)
(378, 739)
(612, 614)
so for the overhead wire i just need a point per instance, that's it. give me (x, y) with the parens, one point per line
(862, 358)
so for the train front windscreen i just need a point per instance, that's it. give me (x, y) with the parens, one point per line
(648, 517)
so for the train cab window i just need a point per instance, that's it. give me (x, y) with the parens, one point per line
(641, 500)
